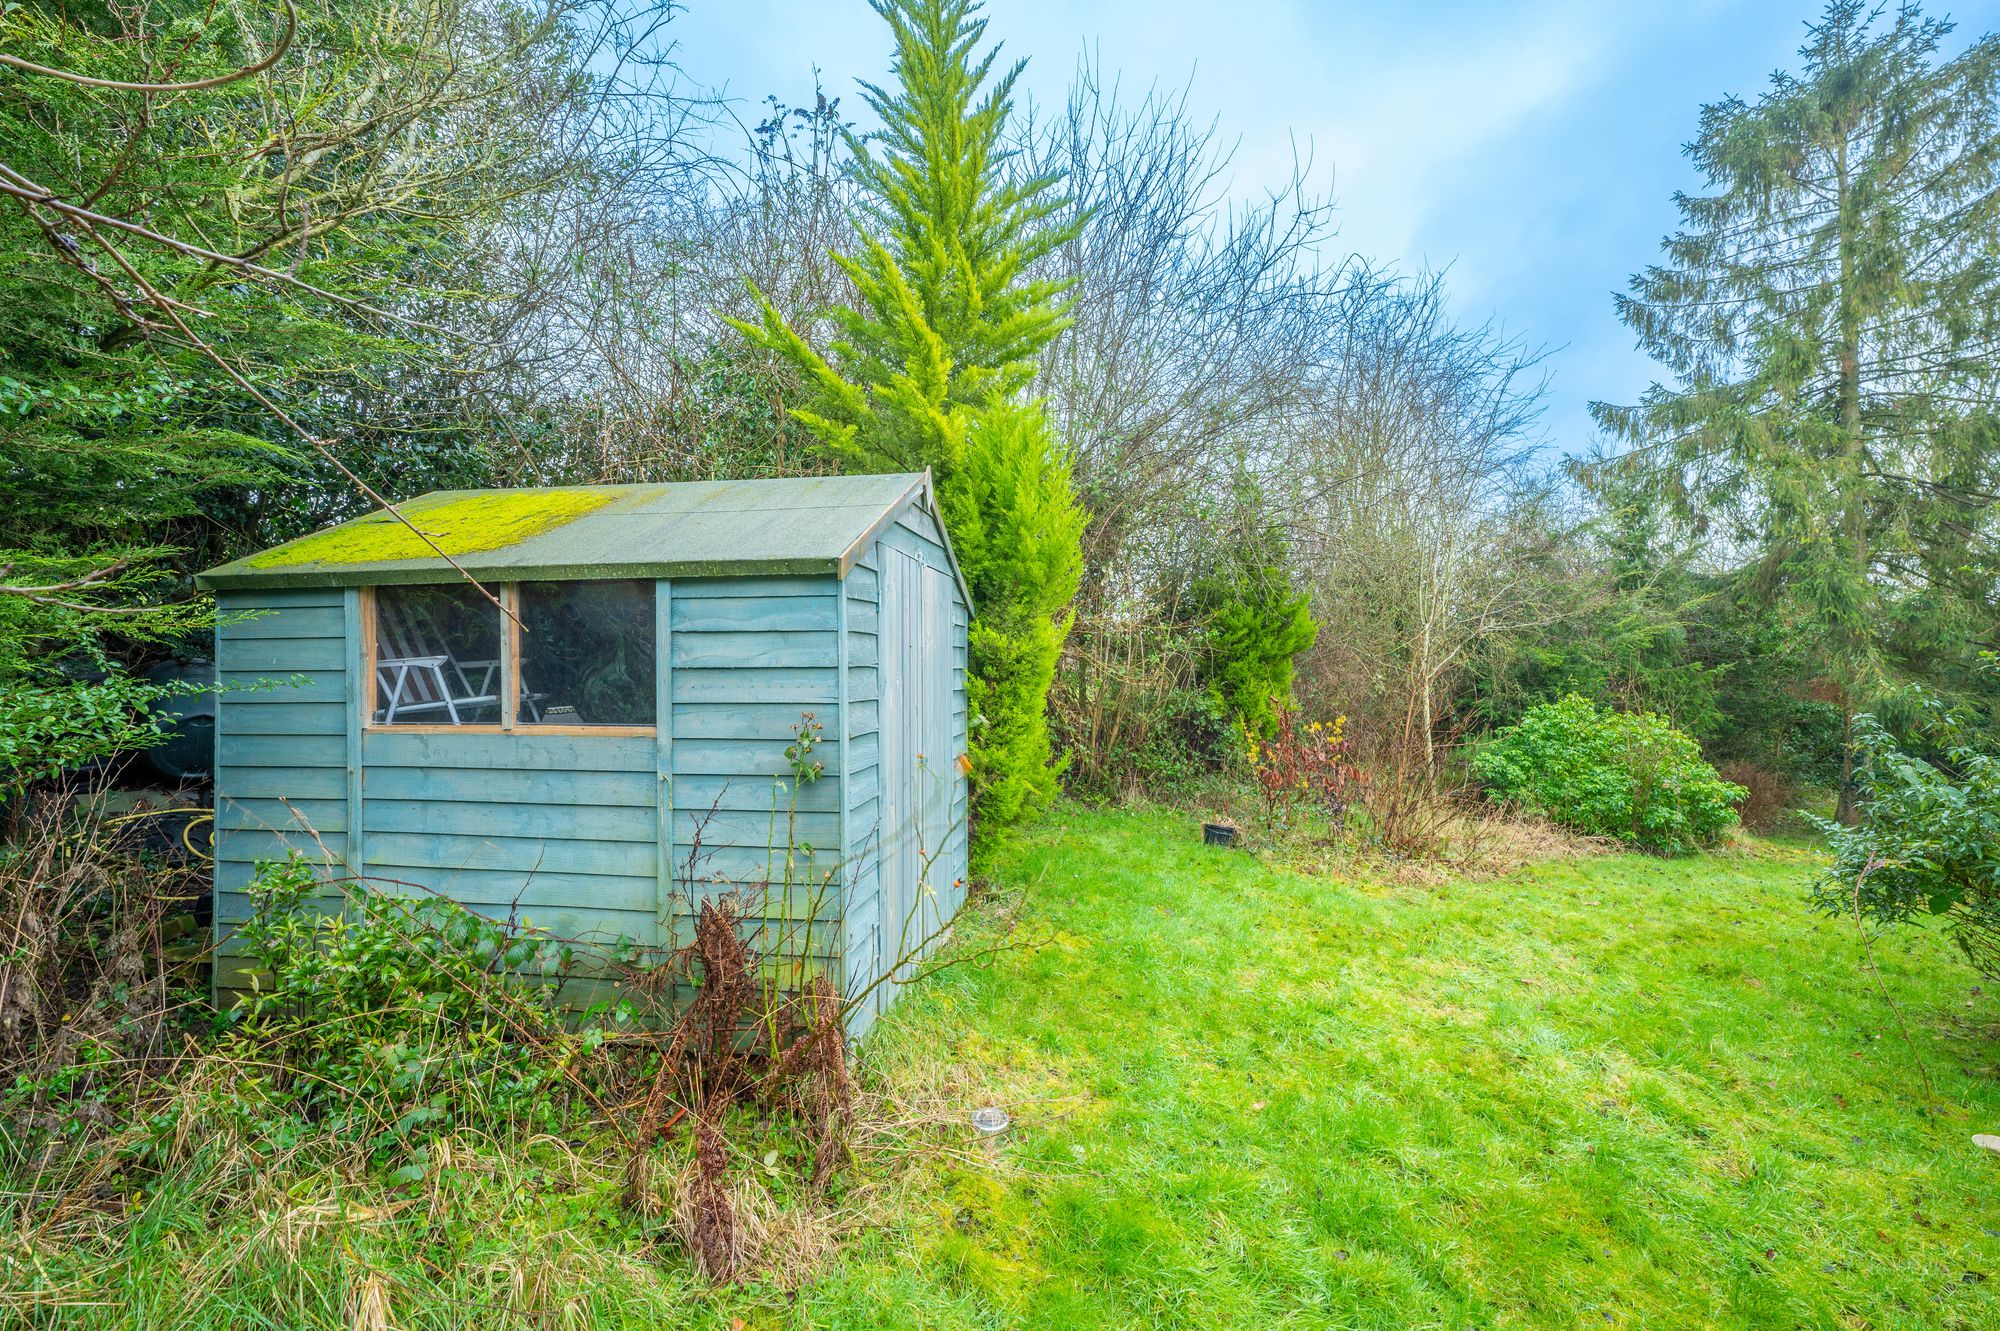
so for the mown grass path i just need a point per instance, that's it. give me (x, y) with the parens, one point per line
(1606, 1092)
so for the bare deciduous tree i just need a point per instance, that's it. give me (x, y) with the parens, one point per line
(1421, 513)
(1223, 377)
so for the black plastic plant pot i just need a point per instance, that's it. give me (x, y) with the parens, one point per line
(1220, 834)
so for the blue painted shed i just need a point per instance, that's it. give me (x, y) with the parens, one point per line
(605, 745)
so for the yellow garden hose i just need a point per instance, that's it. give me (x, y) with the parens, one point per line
(201, 819)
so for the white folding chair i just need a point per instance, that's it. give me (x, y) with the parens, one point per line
(412, 681)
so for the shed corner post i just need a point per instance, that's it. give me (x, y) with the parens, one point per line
(842, 660)
(663, 749)
(359, 664)
(217, 930)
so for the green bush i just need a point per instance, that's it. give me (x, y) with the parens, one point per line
(396, 1020)
(1013, 516)
(1927, 845)
(1190, 738)
(1629, 775)
(1257, 625)
(47, 729)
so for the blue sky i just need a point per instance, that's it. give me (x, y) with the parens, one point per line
(1532, 147)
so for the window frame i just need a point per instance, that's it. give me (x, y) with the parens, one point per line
(510, 681)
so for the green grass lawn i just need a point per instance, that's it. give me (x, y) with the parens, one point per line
(1612, 1091)
(1602, 1092)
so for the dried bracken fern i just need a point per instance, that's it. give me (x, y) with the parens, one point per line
(713, 1235)
(814, 1072)
(702, 1063)
(741, 1040)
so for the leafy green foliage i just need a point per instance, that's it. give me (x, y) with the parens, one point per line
(947, 317)
(1927, 843)
(1704, 651)
(47, 729)
(1188, 737)
(1130, 712)
(396, 1020)
(114, 432)
(1018, 533)
(1642, 626)
(1629, 775)
(1188, 691)
(1628, 608)
(64, 700)
(361, 173)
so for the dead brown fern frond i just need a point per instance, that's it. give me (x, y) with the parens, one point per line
(710, 1224)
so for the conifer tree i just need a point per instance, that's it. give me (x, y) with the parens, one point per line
(1020, 537)
(1257, 624)
(1830, 312)
(931, 368)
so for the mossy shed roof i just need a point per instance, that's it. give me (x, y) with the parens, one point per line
(801, 525)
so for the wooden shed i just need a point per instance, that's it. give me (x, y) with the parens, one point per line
(611, 747)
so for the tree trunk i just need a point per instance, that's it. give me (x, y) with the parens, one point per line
(1844, 809)
(1853, 512)
(1430, 718)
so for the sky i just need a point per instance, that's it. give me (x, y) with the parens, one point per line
(1532, 149)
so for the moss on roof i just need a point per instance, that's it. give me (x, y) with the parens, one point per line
(458, 524)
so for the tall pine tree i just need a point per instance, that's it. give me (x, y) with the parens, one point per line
(1830, 312)
(931, 369)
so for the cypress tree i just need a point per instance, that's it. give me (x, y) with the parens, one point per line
(931, 368)
(1021, 543)
(1257, 623)
(1830, 312)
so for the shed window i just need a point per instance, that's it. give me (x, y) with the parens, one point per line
(588, 655)
(437, 656)
(584, 655)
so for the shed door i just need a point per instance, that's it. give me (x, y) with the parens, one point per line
(937, 773)
(917, 750)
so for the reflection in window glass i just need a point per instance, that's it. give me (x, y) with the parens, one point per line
(587, 654)
(437, 656)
